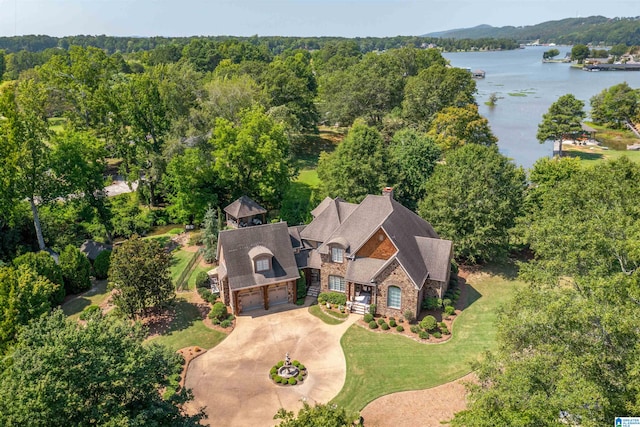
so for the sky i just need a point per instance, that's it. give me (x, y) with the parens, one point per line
(347, 18)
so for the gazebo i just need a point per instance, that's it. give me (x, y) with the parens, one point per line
(245, 212)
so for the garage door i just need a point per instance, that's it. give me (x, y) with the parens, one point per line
(251, 299)
(278, 295)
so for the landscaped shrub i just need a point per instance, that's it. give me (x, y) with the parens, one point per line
(449, 310)
(442, 324)
(367, 318)
(373, 325)
(372, 309)
(76, 270)
(101, 265)
(385, 327)
(381, 321)
(214, 320)
(301, 367)
(202, 280)
(444, 330)
(225, 323)
(446, 302)
(231, 317)
(437, 335)
(273, 370)
(399, 328)
(293, 381)
(428, 323)
(295, 363)
(415, 329)
(278, 379)
(335, 298)
(423, 335)
(219, 311)
(89, 312)
(408, 314)
(300, 378)
(392, 323)
(431, 303)
(207, 295)
(280, 364)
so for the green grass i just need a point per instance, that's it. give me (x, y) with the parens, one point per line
(187, 329)
(179, 262)
(329, 320)
(95, 296)
(379, 364)
(599, 155)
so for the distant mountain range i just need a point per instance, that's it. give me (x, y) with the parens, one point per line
(594, 29)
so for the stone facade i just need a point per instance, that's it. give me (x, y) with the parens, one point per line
(394, 275)
(330, 268)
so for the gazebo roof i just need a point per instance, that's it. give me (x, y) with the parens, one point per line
(244, 207)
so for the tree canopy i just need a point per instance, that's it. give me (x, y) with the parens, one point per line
(61, 373)
(564, 118)
(473, 198)
(616, 106)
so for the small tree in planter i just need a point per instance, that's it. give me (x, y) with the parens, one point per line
(409, 316)
(372, 309)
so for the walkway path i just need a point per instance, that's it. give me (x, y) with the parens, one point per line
(232, 380)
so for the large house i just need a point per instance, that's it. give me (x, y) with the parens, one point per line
(376, 252)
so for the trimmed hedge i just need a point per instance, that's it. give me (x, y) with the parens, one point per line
(336, 298)
(399, 328)
(367, 318)
(429, 323)
(373, 325)
(202, 280)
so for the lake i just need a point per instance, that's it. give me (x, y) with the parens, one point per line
(526, 88)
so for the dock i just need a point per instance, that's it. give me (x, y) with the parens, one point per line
(612, 67)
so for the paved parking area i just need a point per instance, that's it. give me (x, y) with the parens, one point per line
(232, 380)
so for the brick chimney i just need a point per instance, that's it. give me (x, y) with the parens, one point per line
(387, 191)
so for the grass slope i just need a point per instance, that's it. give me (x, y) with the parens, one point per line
(379, 364)
(94, 296)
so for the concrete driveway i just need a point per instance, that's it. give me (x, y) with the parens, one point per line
(232, 380)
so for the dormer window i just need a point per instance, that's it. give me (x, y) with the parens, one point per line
(263, 264)
(337, 254)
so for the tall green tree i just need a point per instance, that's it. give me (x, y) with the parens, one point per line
(473, 198)
(139, 274)
(580, 52)
(569, 341)
(24, 295)
(413, 158)
(43, 264)
(564, 118)
(315, 416)
(210, 234)
(252, 157)
(61, 373)
(357, 167)
(616, 106)
(24, 133)
(456, 126)
(434, 89)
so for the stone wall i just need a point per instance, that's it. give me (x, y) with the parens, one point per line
(331, 269)
(394, 275)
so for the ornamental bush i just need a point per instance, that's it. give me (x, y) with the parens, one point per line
(449, 310)
(202, 280)
(381, 321)
(399, 328)
(409, 316)
(219, 311)
(301, 367)
(89, 311)
(293, 381)
(437, 335)
(101, 265)
(423, 335)
(273, 370)
(385, 327)
(428, 323)
(300, 378)
(367, 318)
(446, 302)
(372, 309)
(445, 330)
(335, 298)
(415, 329)
(225, 323)
(280, 364)
(392, 323)
(373, 325)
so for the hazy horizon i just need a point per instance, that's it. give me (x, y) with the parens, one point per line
(346, 18)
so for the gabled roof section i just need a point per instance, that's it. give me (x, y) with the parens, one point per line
(244, 207)
(333, 213)
(410, 234)
(239, 244)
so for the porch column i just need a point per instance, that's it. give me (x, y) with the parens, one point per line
(349, 298)
(265, 295)
(235, 303)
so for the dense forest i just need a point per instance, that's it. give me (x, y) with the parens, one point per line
(596, 30)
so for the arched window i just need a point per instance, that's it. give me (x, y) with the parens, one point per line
(394, 298)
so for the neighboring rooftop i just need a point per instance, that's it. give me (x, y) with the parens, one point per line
(244, 207)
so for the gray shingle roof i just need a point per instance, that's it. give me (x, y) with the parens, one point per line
(236, 246)
(92, 248)
(363, 270)
(244, 207)
(333, 213)
(412, 236)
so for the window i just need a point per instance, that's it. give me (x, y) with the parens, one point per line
(262, 264)
(336, 283)
(393, 297)
(337, 254)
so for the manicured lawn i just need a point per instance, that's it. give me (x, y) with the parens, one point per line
(187, 329)
(592, 156)
(379, 364)
(330, 320)
(95, 296)
(191, 282)
(179, 262)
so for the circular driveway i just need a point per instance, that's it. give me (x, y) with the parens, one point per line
(232, 380)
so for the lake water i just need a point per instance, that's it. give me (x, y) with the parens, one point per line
(514, 119)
